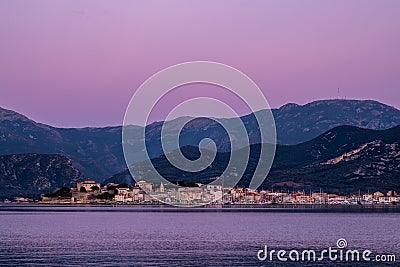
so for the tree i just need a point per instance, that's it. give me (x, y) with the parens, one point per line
(106, 196)
(111, 187)
(95, 188)
(61, 192)
(124, 185)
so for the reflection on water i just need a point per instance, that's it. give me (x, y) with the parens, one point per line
(104, 238)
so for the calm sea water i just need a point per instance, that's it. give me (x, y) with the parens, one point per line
(42, 237)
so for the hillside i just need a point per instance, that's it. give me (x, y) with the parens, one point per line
(32, 174)
(342, 160)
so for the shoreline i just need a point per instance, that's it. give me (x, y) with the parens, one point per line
(29, 207)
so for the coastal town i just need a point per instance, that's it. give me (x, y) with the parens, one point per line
(91, 192)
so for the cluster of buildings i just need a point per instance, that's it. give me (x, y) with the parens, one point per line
(143, 192)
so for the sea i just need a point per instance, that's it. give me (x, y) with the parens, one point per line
(109, 236)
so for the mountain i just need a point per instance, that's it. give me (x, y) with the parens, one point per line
(296, 124)
(97, 152)
(33, 174)
(342, 160)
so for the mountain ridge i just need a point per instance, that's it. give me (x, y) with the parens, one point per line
(97, 152)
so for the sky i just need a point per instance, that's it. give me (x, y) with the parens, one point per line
(78, 63)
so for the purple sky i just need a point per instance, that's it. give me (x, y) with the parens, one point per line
(77, 63)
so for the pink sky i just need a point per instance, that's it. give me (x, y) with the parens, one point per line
(77, 63)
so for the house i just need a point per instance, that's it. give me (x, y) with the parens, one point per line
(124, 195)
(148, 187)
(378, 194)
(303, 198)
(320, 197)
(367, 197)
(88, 185)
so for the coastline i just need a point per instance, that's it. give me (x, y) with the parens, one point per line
(29, 207)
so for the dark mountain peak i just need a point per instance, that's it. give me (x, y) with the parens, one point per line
(343, 103)
(345, 131)
(304, 122)
(10, 115)
(289, 106)
(338, 140)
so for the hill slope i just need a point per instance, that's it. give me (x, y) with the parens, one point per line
(344, 159)
(97, 152)
(33, 174)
